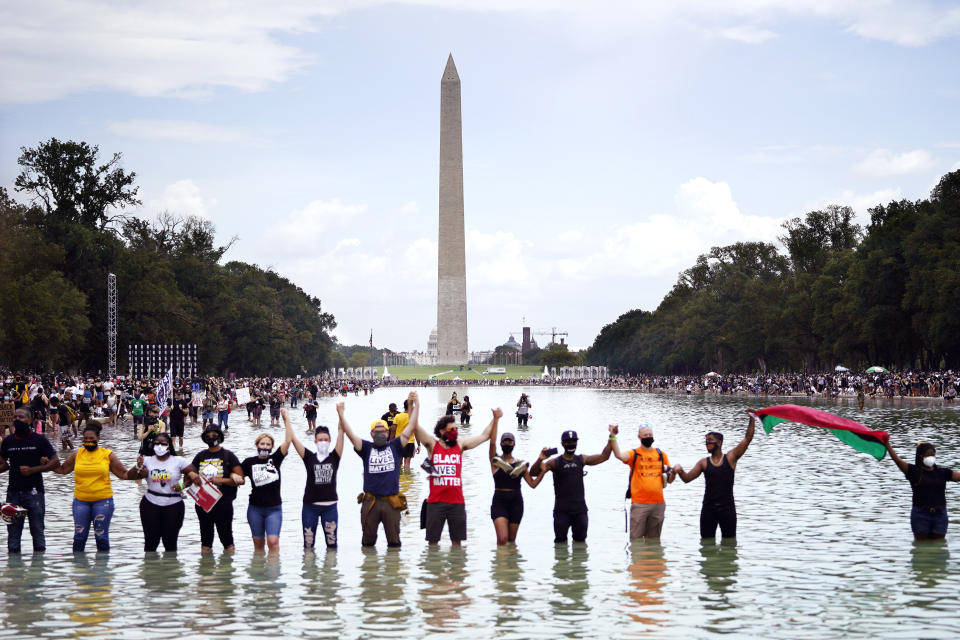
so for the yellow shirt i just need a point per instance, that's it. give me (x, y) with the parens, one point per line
(91, 475)
(646, 481)
(400, 422)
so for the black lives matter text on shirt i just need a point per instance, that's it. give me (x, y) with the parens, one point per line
(321, 477)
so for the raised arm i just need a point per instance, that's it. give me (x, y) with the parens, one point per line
(413, 404)
(423, 437)
(291, 436)
(531, 480)
(603, 456)
(339, 446)
(624, 456)
(345, 427)
(288, 433)
(896, 459)
(480, 438)
(737, 452)
(493, 442)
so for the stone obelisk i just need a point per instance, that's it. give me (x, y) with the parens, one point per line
(451, 263)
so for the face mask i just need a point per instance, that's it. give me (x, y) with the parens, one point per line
(160, 450)
(152, 420)
(507, 448)
(210, 439)
(646, 441)
(90, 446)
(929, 461)
(379, 439)
(323, 448)
(570, 447)
(710, 446)
(21, 428)
(264, 453)
(451, 436)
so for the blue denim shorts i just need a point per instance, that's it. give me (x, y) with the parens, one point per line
(925, 521)
(264, 520)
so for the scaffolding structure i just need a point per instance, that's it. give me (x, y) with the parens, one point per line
(111, 325)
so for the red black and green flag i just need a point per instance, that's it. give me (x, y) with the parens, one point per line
(852, 433)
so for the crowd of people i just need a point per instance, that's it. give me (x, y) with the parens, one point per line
(69, 408)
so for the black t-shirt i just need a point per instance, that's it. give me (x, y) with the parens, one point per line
(217, 464)
(264, 477)
(176, 412)
(64, 415)
(321, 477)
(311, 410)
(25, 451)
(929, 486)
(568, 485)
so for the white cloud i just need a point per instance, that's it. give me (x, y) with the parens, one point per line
(183, 197)
(498, 258)
(310, 228)
(747, 34)
(861, 202)
(179, 130)
(883, 163)
(410, 207)
(50, 49)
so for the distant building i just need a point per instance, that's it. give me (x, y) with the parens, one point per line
(512, 343)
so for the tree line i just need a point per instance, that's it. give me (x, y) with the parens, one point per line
(172, 286)
(883, 295)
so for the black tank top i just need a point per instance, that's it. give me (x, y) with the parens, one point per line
(568, 485)
(719, 483)
(503, 481)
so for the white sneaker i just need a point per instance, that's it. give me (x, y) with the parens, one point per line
(519, 469)
(502, 464)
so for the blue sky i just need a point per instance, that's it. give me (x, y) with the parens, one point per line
(606, 144)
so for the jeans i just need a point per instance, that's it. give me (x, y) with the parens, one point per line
(99, 513)
(222, 418)
(314, 514)
(35, 505)
(264, 521)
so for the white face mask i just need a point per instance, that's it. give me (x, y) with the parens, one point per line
(323, 449)
(160, 450)
(929, 461)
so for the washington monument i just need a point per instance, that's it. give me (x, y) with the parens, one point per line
(451, 263)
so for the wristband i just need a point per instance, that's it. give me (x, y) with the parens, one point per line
(612, 438)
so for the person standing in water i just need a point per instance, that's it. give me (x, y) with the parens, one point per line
(570, 504)
(649, 473)
(718, 468)
(445, 504)
(506, 510)
(928, 514)
(523, 410)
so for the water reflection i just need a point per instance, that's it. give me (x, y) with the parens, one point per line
(216, 584)
(90, 602)
(21, 605)
(384, 580)
(570, 583)
(718, 565)
(322, 585)
(648, 571)
(443, 595)
(928, 562)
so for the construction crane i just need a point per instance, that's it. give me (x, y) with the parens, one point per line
(552, 332)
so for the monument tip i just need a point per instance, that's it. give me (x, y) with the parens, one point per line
(450, 71)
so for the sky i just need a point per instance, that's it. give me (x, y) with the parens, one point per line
(606, 144)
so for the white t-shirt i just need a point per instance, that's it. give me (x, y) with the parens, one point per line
(161, 476)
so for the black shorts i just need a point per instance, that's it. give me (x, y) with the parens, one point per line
(507, 504)
(408, 450)
(138, 419)
(176, 429)
(455, 517)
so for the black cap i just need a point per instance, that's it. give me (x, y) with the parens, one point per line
(507, 436)
(569, 434)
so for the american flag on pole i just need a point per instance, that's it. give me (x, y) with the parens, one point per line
(165, 390)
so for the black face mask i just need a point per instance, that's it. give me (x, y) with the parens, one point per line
(507, 449)
(646, 441)
(21, 428)
(90, 446)
(210, 439)
(570, 447)
(152, 420)
(379, 439)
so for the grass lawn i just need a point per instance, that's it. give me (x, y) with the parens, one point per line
(470, 372)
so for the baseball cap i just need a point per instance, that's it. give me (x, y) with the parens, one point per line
(507, 436)
(569, 434)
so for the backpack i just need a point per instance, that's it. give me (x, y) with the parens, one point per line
(70, 413)
(633, 465)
